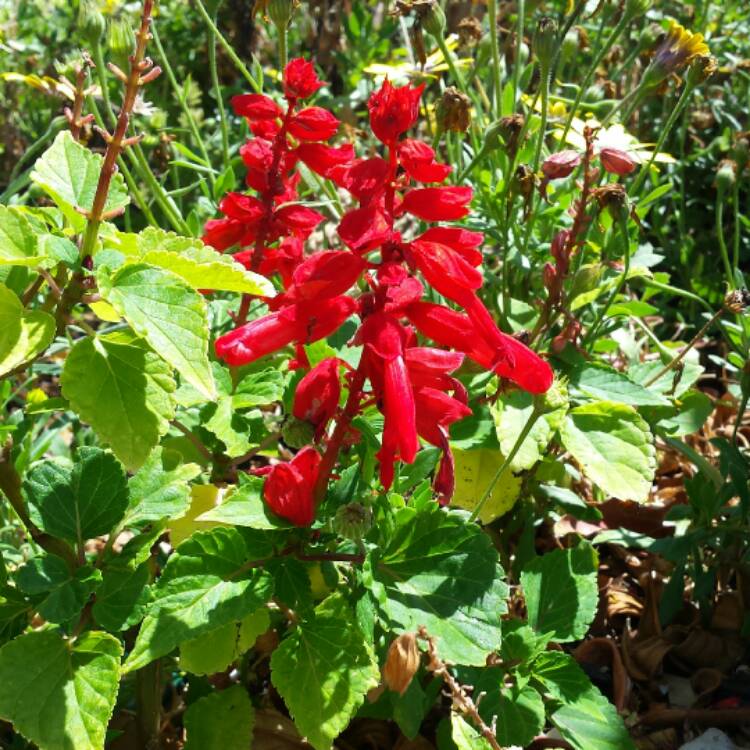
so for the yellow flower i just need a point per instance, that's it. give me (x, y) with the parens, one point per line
(678, 49)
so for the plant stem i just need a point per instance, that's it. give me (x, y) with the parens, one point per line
(519, 42)
(218, 93)
(722, 241)
(193, 438)
(497, 83)
(148, 700)
(683, 352)
(736, 223)
(544, 84)
(621, 26)
(281, 29)
(530, 422)
(227, 47)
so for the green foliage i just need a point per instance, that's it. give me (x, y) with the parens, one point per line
(220, 721)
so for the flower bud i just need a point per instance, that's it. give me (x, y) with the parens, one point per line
(352, 521)
(454, 111)
(561, 164)
(555, 398)
(726, 175)
(634, 8)
(741, 151)
(402, 662)
(297, 433)
(469, 31)
(509, 129)
(616, 161)
(614, 198)
(548, 276)
(545, 41)
(701, 69)
(569, 48)
(280, 12)
(91, 22)
(432, 18)
(737, 301)
(120, 41)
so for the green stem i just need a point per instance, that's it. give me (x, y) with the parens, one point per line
(497, 83)
(148, 703)
(281, 29)
(544, 83)
(530, 422)
(218, 95)
(720, 237)
(663, 133)
(519, 42)
(621, 26)
(227, 47)
(736, 221)
(178, 92)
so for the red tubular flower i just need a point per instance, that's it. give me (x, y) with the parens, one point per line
(438, 203)
(445, 269)
(322, 275)
(365, 179)
(256, 107)
(313, 124)
(616, 161)
(393, 110)
(288, 489)
(463, 241)
(304, 323)
(297, 219)
(317, 395)
(418, 159)
(364, 229)
(324, 160)
(300, 79)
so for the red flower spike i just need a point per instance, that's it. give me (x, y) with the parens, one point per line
(222, 234)
(288, 489)
(317, 395)
(324, 160)
(463, 241)
(418, 159)
(616, 161)
(365, 179)
(257, 156)
(438, 203)
(364, 229)
(313, 124)
(256, 107)
(393, 110)
(300, 79)
(321, 276)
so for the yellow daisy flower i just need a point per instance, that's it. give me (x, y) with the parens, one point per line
(678, 49)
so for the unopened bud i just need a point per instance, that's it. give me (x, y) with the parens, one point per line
(616, 161)
(737, 301)
(280, 12)
(726, 175)
(120, 41)
(352, 521)
(614, 198)
(297, 433)
(545, 41)
(402, 662)
(701, 69)
(91, 22)
(454, 111)
(548, 276)
(741, 150)
(561, 164)
(506, 128)
(634, 8)
(431, 17)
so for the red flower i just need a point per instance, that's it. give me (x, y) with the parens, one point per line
(393, 110)
(418, 159)
(365, 178)
(256, 107)
(313, 124)
(304, 323)
(616, 161)
(223, 233)
(438, 203)
(317, 395)
(464, 242)
(288, 489)
(325, 160)
(300, 79)
(322, 275)
(364, 229)
(298, 219)
(446, 270)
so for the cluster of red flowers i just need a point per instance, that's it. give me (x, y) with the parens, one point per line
(412, 384)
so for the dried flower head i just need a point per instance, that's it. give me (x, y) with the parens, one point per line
(454, 111)
(402, 662)
(737, 301)
(469, 31)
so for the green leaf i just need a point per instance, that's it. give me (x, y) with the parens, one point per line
(465, 736)
(63, 595)
(160, 489)
(216, 650)
(442, 572)
(259, 389)
(123, 390)
(323, 671)
(199, 265)
(220, 721)
(232, 428)
(171, 316)
(475, 469)
(244, 506)
(19, 245)
(690, 413)
(561, 592)
(603, 383)
(614, 447)
(586, 718)
(207, 583)
(511, 411)
(15, 612)
(24, 334)
(81, 501)
(59, 694)
(69, 173)
(122, 598)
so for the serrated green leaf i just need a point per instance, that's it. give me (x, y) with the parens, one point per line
(69, 173)
(561, 592)
(614, 447)
(586, 718)
(601, 382)
(24, 334)
(442, 572)
(206, 584)
(160, 489)
(220, 721)
(123, 390)
(232, 428)
(244, 506)
(323, 671)
(19, 245)
(15, 612)
(122, 598)
(169, 314)
(688, 415)
(59, 694)
(465, 736)
(81, 501)
(259, 389)
(216, 650)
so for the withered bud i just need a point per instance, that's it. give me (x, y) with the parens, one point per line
(614, 198)
(609, 89)
(352, 521)
(469, 31)
(741, 150)
(737, 301)
(701, 69)
(509, 129)
(561, 164)
(549, 275)
(454, 111)
(726, 175)
(402, 662)
(616, 161)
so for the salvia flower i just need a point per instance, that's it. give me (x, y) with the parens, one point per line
(288, 489)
